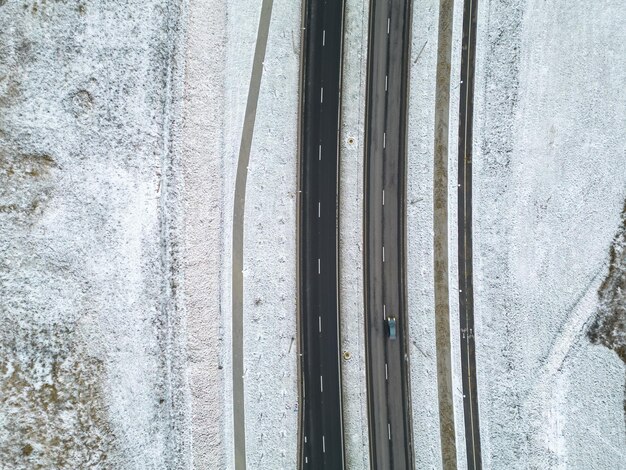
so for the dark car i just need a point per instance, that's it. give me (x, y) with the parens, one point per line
(391, 328)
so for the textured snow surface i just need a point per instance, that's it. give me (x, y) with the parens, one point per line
(88, 310)
(202, 162)
(270, 344)
(549, 186)
(420, 269)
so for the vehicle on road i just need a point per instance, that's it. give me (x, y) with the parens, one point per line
(391, 328)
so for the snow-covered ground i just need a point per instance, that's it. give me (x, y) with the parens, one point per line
(549, 187)
(202, 165)
(89, 314)
(420, 268)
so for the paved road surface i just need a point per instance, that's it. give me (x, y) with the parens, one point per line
(321, 431)
(388, 397)
(466, 288)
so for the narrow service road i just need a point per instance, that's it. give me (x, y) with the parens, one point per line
(466, 285)
(239, 415)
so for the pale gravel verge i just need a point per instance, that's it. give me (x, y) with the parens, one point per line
(202, 166)
(351, 283)
(453, 242)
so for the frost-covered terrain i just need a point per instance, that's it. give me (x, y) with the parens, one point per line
(351, 235)
(89, 313)
(550, 183)
(120, 132)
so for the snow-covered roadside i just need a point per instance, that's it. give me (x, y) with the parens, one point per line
(549, 186)
(420, 268)
(242, 20)
(269, 321)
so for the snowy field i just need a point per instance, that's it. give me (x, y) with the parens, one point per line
(550, 183)
(90, 350)
(549, 188)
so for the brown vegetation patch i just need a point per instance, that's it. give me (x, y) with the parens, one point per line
(25, 184)
(51, 400)
(609, 325)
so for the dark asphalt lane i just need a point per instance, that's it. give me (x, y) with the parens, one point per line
(466, 288)
(321, 425)
(385, 293)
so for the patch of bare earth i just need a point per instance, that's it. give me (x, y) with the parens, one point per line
(609, 325)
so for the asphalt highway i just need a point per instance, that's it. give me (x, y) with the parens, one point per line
(385, 293)
(466, 288)
(321, 426)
